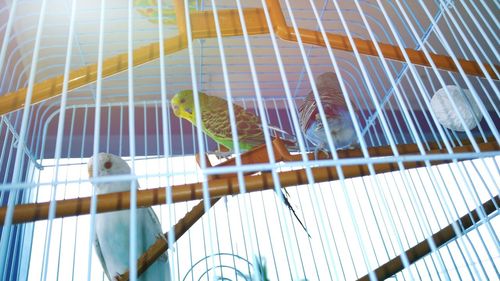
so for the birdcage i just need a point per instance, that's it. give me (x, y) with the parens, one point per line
(411, 193)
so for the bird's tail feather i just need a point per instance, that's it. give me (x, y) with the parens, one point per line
(287, 203)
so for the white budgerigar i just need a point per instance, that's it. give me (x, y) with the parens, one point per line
(113, 228)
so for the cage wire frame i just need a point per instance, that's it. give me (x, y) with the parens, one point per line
(431, 145)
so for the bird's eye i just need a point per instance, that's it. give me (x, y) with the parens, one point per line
(108, 165)
(183, 100)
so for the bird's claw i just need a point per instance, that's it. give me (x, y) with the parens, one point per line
(222, 154)
(354, 146)
(320, 149)
(118, 276)
(160, 236)
(163, 237)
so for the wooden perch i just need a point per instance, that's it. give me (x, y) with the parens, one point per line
(259, 154)
(217, 187)
(441, 237)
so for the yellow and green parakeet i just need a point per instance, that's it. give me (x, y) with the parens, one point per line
(217, 125)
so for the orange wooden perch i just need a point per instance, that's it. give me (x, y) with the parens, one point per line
(217, 188)
(259, 154)
(441, 237)
(203, 26)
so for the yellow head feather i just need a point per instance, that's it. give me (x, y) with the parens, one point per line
(183, 105)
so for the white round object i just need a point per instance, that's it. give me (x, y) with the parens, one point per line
(466, 106)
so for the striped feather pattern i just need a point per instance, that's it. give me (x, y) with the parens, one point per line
(217, 125)
(331, 98)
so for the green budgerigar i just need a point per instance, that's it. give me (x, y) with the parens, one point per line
(217, 125)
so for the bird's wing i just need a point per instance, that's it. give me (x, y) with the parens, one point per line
(155, 223)
(101, 258)
(306, 111)
(249, 127)
(216, 123)
(332, 102)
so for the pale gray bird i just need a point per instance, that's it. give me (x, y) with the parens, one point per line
(113, 228)
(336, 113)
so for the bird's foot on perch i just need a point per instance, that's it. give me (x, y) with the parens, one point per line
(353, 146)
(221, 155)
(321, 149)
(164, 238)
(120, 277)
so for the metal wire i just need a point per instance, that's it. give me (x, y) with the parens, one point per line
(356, 224)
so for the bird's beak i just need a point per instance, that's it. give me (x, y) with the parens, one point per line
(176, 110)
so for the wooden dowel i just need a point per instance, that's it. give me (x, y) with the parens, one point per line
(392, 52)
(217, 188)
(441, 237)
